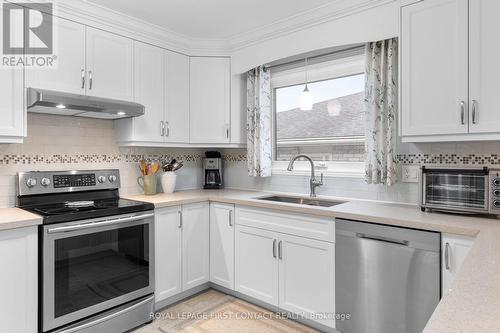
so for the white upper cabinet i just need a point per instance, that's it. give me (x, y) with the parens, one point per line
(210, 100)
(148, 90)
(484, 72)
(12, 109)
(68, 74)
(110, 65)
(434, 68)
(449, 71)
(176, 97)
(161, 84)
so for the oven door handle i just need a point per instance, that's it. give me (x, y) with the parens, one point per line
(98, 223)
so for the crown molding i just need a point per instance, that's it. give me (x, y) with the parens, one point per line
(98, 16)
(331, 11)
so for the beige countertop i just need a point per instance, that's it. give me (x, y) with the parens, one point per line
(473, 302)
(11, 218)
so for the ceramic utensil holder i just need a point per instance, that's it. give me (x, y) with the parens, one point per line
(168, 180)
(148, 184)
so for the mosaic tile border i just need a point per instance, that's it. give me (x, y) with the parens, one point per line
(458, 159)
(9, 159)
(12, 159)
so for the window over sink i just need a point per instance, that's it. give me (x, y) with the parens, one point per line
(333, 131)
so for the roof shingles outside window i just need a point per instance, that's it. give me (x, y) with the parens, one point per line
(339, 117)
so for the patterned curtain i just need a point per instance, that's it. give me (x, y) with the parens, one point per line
(259, 145)
(381, 98)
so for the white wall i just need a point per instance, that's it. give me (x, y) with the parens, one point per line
(371, 25)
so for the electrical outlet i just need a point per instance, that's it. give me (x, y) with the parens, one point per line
(410, 173)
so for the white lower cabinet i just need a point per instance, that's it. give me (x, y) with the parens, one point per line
(19, 280)
(293, 272)
(222, 244)
(168, 259)
(454, 249)
(181, 248)
(307, 277)
(256, 264)
(195, 245)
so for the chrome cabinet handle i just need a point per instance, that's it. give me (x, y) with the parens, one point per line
(162, 128)
(168, 128)
(231, 218)
(83, 78)
(280, 250)
(180, 219)
(462, 112)
(274, 248)
(474, 104)
(90, 80)
(447, 256)
(227, 131)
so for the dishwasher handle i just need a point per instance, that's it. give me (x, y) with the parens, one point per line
(383, 239)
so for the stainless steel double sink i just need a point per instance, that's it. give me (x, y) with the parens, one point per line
(302, 201)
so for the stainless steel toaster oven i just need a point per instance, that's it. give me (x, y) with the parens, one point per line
(460, 189)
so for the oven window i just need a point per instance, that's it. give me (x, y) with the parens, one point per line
(93, 268)
(466, 190)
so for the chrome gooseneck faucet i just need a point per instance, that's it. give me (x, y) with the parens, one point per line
(313, 182)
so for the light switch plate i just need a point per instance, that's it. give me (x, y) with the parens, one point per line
(410, 173)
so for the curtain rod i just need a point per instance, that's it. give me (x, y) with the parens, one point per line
(359, 47)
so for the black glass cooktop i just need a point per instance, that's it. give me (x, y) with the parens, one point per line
(72, 207)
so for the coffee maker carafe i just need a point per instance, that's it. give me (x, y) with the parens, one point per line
(212, 170)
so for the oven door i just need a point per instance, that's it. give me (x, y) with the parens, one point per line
(94, 265)
(455, 189)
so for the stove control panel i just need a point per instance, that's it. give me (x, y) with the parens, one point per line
(46, 182)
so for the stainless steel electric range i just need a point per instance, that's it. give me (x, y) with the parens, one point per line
(96, 257)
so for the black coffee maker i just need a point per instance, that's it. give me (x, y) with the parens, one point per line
(212, 170)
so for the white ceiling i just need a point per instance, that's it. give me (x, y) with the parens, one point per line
(212, 19)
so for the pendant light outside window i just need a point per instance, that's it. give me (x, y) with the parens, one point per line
(306, 99)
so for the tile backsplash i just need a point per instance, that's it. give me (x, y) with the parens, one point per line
(65, 143)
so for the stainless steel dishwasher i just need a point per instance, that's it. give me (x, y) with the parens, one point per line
(387, 278)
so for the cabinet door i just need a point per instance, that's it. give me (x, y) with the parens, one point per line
(110, 65)
(209, 96)
(222, 245)
(168, 246)
(307, 277)
(434, 68)
(149, 91)
(454, 249)
(177, 97)
(12, 110)
(256, 264)
(484, 72)
(68, 75)
(195, 245)
(18, 281)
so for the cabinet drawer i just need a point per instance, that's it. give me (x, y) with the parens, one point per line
(304, 225)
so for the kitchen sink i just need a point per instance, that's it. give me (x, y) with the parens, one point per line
(302, 201)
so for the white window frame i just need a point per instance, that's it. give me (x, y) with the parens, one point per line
(327, 70)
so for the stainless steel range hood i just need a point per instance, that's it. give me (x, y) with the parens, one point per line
(58, 103)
